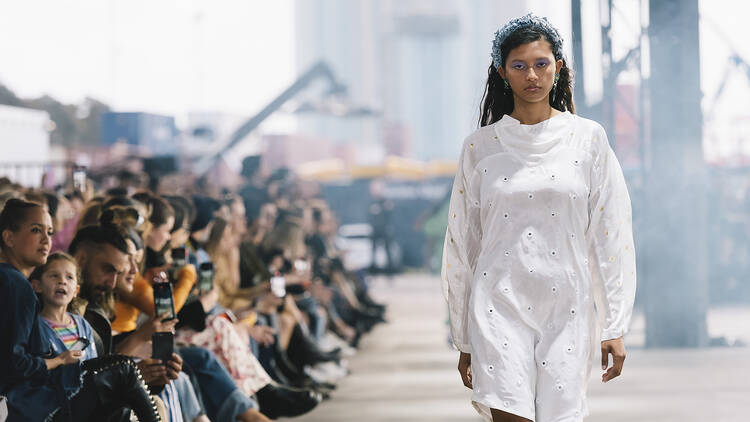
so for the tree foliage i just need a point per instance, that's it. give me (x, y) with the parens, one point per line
(75, 124)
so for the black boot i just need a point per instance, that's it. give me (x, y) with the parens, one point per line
(302, 351)
(286, 366)
(119, 384)
(278, 402)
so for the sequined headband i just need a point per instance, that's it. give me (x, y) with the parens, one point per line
(529, 20)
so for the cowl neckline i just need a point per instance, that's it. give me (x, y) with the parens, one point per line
(537, 138)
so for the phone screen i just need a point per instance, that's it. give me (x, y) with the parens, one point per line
(79, 178)
(278, 286)
(206, 277)
(164, 300)
(80, 344)
(300, 265)
(162, 346)
(179, 257)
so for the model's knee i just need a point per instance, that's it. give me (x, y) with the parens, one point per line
(500, 416)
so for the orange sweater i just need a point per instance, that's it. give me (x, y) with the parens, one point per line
(141, 299)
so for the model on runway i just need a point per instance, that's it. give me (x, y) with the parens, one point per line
(539, 234)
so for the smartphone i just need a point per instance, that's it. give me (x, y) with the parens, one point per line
(163, 299)
(179, 260)
(162, 346)
(179, 257)
(230, 316)
(300, 265)
(81, 344)
(206, 277)
(79, 178)
(278, 286)
(295, 289)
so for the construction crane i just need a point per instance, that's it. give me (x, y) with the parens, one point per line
(320, 70)
(733, 62)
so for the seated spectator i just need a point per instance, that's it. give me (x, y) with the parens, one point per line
(223, 400)
(41, 385)
(291, 338)
(200, 227)
(223, 251)
(102, 255)
(56, 284)
(184, 212)
(161, 219)
(89, 216)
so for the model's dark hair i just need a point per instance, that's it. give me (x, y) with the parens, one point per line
(14, 213)
(497, 101)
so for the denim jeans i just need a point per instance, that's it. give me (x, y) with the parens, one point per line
(221, 397)
(309, 305)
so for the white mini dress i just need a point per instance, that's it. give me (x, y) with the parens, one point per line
(538, 263)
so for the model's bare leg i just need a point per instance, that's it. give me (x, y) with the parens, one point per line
(500, 416)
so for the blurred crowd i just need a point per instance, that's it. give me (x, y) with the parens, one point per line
(124, 303)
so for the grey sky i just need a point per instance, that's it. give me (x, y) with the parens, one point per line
(147, 55)
(172, 56)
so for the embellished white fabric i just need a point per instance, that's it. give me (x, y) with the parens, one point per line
(538, 263)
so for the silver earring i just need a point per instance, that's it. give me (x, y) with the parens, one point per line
(554, 86)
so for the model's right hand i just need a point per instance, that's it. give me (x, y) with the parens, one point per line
(464, 368)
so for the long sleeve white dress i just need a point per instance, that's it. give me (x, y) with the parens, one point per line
(538, 263)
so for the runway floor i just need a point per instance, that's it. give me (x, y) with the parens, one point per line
(406, 372)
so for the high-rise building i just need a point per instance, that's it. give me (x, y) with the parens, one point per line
(422, 63)
(25, 144)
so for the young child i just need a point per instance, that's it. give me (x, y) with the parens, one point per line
(56, 283)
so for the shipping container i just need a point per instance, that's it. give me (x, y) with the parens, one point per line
(154, 132)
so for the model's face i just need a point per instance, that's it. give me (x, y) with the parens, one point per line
(30, 244)
(58, 285)
(530, 70)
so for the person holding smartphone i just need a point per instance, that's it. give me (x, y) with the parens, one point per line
(56, 285)
(145, 291)
(40, 384)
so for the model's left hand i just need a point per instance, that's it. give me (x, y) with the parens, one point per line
(615, 347)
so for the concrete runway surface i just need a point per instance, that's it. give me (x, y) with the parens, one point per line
(406, 372)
